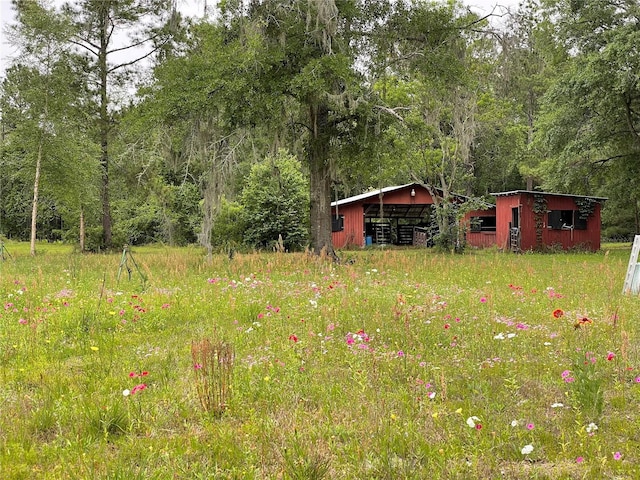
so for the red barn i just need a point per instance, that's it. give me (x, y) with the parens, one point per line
(521, 220)
(399, 215)
(527, 220)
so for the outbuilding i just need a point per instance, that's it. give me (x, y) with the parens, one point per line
(531, 220)
(521, 220)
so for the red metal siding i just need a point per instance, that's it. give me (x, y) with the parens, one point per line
(353, 232)
(480, 239)
(503, 219)
(529, 233)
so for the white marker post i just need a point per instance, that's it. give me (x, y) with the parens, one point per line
(632, 280)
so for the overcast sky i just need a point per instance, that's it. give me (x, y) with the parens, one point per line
(195, 8)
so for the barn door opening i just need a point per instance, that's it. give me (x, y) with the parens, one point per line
(514, 230)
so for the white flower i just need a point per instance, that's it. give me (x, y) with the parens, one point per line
(527, 449)
(126, 393)
(511, 335)
(432, 395)
(499, 336)
(471, 421)
(557, 405)
(592, 427)
(514, 423)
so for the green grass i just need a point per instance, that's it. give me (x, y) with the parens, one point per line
(368, 369)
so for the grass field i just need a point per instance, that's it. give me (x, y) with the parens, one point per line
(393, 364)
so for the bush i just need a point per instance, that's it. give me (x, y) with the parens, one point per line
(276, 202)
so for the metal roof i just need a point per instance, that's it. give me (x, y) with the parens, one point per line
(535, 192)
(372, 193)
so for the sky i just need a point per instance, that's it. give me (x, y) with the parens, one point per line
(196, 8)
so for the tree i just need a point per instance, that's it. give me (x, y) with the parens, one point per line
(98, 27)
(43, 101)
(590, 121)
(275, 203)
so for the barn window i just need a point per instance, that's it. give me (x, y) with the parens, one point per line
(483, 224)
(564, 219)
(337, 223)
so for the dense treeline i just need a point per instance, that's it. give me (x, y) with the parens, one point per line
(123, 122)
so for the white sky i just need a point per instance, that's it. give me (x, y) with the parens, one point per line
(196, 8)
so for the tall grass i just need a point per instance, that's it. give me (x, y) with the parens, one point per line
(397, 364)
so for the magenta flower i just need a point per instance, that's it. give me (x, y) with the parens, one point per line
(483, 299)
(579, 459)
(617, 456)
(610, 356)
(197, 366)
(530, 426)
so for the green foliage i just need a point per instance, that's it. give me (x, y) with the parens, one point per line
(229, 225)
(275, 202)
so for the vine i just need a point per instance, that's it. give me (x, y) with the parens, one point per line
(539, 209)
(586, 207)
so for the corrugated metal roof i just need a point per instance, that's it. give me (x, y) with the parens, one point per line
(372, 193)
(532, 192)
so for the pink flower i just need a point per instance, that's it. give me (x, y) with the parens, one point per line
(478, 426)
(133, 374)
(565, 374)
(400, 353)
(483, 299)
(610, 356)
(197, 366)
(138, 388)
(22, 321)
(530, 426)
(637, 379)
(293, 338)
(617, 456)
(579, 459)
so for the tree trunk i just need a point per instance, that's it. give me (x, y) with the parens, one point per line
(34, 209)
(104, 128)
(320, 182)
(82, 229)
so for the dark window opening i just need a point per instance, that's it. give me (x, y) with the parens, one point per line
(566, 219)
(483, 224)
(337, 223)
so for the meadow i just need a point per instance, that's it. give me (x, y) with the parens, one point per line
(394, 364)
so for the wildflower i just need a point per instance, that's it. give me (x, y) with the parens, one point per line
(138, 388)
(400, 353)
(293, 338)
(582, 322)
(557, 405)
(499, 336)
(558, 313)
(527, 449)
(483, 299)
(432, 395)
(132, 374)
(565, 374)
(126, 393)
(610, 356)
(197, 366)
(591, 428)
(471, 421)
(22, 321)
(478, 426)
(95, 349)
(637, 379)
(617, 456)
(514, 423)
(447, 326)
(530, 426)
(579, 459)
